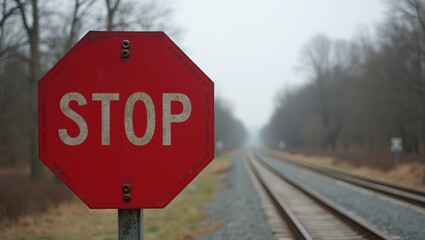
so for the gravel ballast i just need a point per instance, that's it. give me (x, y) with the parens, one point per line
(238, 205)
(395, 218)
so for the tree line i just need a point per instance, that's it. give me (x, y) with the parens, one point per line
(34, 35)
(229, 132)
(361, 92)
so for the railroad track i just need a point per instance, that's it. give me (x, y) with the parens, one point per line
(404, 194)
(302, 212)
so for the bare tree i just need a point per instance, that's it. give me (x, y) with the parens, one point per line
(71, 24)
(317, 60)
(403, 42)
(74, 22)
(146, 15)
(37, 33)
(366, 92)
(112, 7)
(7, 11)
(316, 114)
(29, 12)
(328, 64)
(157, 16)
(229, 131)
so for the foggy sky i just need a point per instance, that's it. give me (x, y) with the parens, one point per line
(250, 48)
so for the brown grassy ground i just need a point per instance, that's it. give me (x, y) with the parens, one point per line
(73, 220)
(377, 160)
(411, 171)
(19, 196)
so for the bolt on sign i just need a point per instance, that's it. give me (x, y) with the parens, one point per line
(126, 120)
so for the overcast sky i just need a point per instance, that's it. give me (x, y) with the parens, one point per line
(250, 48)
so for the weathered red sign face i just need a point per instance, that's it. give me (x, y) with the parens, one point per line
(126, 120)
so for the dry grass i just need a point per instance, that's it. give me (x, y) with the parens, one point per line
(383, 160)
(19, 196)
(71, 220)
(409, 174)
(180, 220)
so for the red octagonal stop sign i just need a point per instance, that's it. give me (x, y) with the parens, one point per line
(126, 119)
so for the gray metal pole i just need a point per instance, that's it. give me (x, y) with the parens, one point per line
(396, 158)
(130, 224)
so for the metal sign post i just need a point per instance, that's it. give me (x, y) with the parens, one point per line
(281, 145)
(396, 148)
(130, 224)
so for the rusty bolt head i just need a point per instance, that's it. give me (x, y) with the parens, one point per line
(127, 197)
(125, 53)
(126, 188)
(125, 44)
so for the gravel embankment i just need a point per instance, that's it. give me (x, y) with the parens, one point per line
(238, 205)
(394, 217)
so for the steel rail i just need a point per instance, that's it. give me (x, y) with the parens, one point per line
(409, 195)
(363, 228)
(285, 212)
